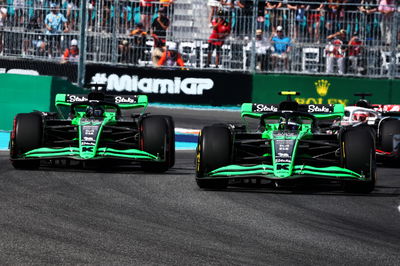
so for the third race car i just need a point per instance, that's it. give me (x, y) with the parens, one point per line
(384, 120)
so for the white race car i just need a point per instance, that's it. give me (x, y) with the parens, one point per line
(384, 119)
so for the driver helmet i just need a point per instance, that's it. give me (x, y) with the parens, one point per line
(363, 103)
(96, 111)
(360, 117)
(290, 124)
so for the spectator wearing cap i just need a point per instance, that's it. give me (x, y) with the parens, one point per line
(281, 46)
(54, 22)
(336, 51)
(71, 54)
(221, 30)
(171, 57)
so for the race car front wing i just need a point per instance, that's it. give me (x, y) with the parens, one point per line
(298, 171)
(101, 153)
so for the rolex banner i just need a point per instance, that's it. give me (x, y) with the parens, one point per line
(324, 89)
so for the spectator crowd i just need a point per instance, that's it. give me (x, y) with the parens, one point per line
(341, 29)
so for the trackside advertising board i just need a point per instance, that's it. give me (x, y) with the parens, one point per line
(174, 86)
(324, 89)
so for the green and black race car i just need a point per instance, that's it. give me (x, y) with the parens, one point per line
(94, 128)
(293, 142)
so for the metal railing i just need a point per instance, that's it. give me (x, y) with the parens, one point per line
(289, 37)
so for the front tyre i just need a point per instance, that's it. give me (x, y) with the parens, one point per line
(387, 132)
(156, 138)
(27, 135)
(358, 155)
(213, 151)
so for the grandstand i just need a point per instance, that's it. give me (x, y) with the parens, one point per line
(358, 38)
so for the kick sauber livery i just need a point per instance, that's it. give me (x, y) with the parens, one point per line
(93, 129)
(292, 142)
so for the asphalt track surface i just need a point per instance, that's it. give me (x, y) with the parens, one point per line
(77, 216)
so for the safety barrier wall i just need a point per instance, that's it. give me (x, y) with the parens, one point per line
(174, 86)
(161, 85)
(25, 93)
(324, 89)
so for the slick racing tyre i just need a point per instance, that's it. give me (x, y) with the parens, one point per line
(358, 155)
(171, 141)
(157, 139)
(27, 135)
(387, 132)
(213, 151)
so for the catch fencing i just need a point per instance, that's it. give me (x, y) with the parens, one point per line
(259, 36)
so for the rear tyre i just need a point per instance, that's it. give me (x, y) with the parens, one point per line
(213, 151)
(171, 140)
(358, 155)
(387, 132)
(156, 139)
(27, 135)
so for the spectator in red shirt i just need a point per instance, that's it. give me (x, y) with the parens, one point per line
(71, 54)
(336, 51)
(355, 51)
(221, 30)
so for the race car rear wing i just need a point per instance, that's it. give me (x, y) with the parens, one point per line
(123, 101)
(320, 111)
(387, 109)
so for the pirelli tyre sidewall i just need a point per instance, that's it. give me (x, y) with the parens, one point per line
(358, 154)
(27, 134)
(214, 150)
(156, 138)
